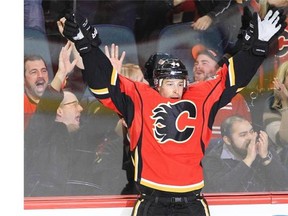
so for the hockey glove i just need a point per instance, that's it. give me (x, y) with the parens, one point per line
(81, 33)
(260, 33)
(272, 25)
(88, 31)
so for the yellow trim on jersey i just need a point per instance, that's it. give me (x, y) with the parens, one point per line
(135, 162)
(136, 207)
(104, 91)
(100, 91)
(113, 77)
(231, 72)
(172, 188)
(206, 208)
(239, 89)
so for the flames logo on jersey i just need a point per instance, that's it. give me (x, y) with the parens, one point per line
(283, 44)
(171, 121)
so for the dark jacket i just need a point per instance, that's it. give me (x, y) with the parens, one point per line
(213, 8)
(229, 175)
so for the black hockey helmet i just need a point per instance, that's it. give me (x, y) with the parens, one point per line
(152, 63)
(169, 68)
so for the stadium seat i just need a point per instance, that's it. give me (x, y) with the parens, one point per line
(122, 36)
(178, 39)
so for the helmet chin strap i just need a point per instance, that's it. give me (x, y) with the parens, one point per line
(160, 82)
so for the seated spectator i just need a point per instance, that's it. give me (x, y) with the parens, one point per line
(35, 83)
(58, 145)
(243, 161)
(205, 63)
(275, 116)
(205, 67)
(36, 78)
(46, 146)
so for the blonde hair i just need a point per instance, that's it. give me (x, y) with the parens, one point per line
(132, 71)
(127, 68)
(282, 73)
(264, 5)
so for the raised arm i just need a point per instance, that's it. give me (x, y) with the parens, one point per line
(65, 67)
(102, 78)
(255, 45)
(253, 49)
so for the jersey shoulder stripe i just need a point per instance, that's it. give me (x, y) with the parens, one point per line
(99, 91)
(113, 77)
(231, 72)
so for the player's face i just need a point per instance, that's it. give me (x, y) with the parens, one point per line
(36, 78)
(204, 67)
(172, 88)
(241, 136)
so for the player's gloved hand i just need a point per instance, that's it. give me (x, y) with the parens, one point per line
(272, 25)
(78, 30)
(261, 32)
(88, 31)
(71, 30)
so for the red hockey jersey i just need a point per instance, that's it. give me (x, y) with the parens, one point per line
(168, 137)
